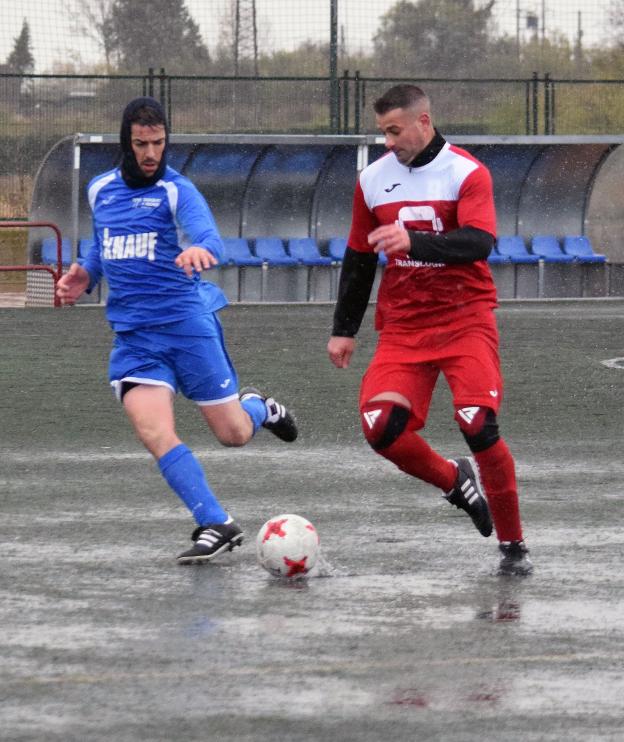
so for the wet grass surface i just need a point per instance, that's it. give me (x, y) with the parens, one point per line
(103, 636)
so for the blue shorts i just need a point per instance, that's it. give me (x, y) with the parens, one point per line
(196, 365)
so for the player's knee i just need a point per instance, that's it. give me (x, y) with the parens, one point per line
(233, 439)
(233, 436)
(478, 426)
(229, 422)
(232, 431)
(156, 438)
(383, 421)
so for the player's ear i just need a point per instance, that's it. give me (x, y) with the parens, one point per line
(425, 118)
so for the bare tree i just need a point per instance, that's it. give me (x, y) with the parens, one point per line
(92, 19)
(616, 17)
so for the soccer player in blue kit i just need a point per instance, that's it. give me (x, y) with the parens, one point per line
(154, 233)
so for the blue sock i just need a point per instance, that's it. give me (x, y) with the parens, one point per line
(185, 476)
(256, 409)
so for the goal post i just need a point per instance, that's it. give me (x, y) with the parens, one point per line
(41, 280)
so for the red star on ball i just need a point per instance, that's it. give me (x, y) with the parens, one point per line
(274, 528)
(296, 566)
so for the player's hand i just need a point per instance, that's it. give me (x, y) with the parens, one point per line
(389, 239)
(340, 350)
(195, 259)
(72, 285)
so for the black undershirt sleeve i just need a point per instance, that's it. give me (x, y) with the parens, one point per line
(356, 282)
(463, 245)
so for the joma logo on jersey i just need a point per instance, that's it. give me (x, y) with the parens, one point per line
(124, 246)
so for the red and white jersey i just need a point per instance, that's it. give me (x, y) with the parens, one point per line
(453, 190)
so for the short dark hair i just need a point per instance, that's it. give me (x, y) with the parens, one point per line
(148, 115)
(400, 96)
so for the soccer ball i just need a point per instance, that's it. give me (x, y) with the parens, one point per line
(287, 546)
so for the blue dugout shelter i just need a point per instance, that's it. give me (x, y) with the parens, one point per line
(301, 186)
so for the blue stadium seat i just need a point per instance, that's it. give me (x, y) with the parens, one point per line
(305, 250)
(237, 252)
(495, 258)
(272, 251)
(513, 248)
(336, 248)
(547, 247)
(49, 253)
(579, 247)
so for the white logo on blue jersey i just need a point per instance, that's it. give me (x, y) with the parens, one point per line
(124, 246)
(146, 202)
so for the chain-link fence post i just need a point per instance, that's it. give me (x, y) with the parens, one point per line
(334, 85)
(535, 102)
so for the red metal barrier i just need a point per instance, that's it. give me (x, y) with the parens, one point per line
(56, 274)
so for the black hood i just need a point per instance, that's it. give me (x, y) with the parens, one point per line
(130, 170)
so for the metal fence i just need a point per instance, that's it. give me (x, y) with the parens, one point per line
(38, 110)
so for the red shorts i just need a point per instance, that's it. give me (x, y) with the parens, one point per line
(410, 363)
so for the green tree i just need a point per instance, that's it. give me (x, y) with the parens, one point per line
(157, 34)
(21, 60)
(433, 38)
(308, 59)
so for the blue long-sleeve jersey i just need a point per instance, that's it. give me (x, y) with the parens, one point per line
(138, 233)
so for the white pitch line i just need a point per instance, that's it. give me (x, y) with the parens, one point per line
(112, 455)
(613, 363)
(307, 458)
(326, 669)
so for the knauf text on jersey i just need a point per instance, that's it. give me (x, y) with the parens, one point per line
(121, 246)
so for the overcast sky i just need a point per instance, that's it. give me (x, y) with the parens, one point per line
(281, 23)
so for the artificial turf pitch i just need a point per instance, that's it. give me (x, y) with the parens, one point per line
(411, 636)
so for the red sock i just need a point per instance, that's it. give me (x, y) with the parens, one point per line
(413, 455)
(498, 475)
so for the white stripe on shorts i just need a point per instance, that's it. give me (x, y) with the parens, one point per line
(117, 384)
(208, 402)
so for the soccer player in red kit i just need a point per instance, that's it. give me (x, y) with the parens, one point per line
(429, 207)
